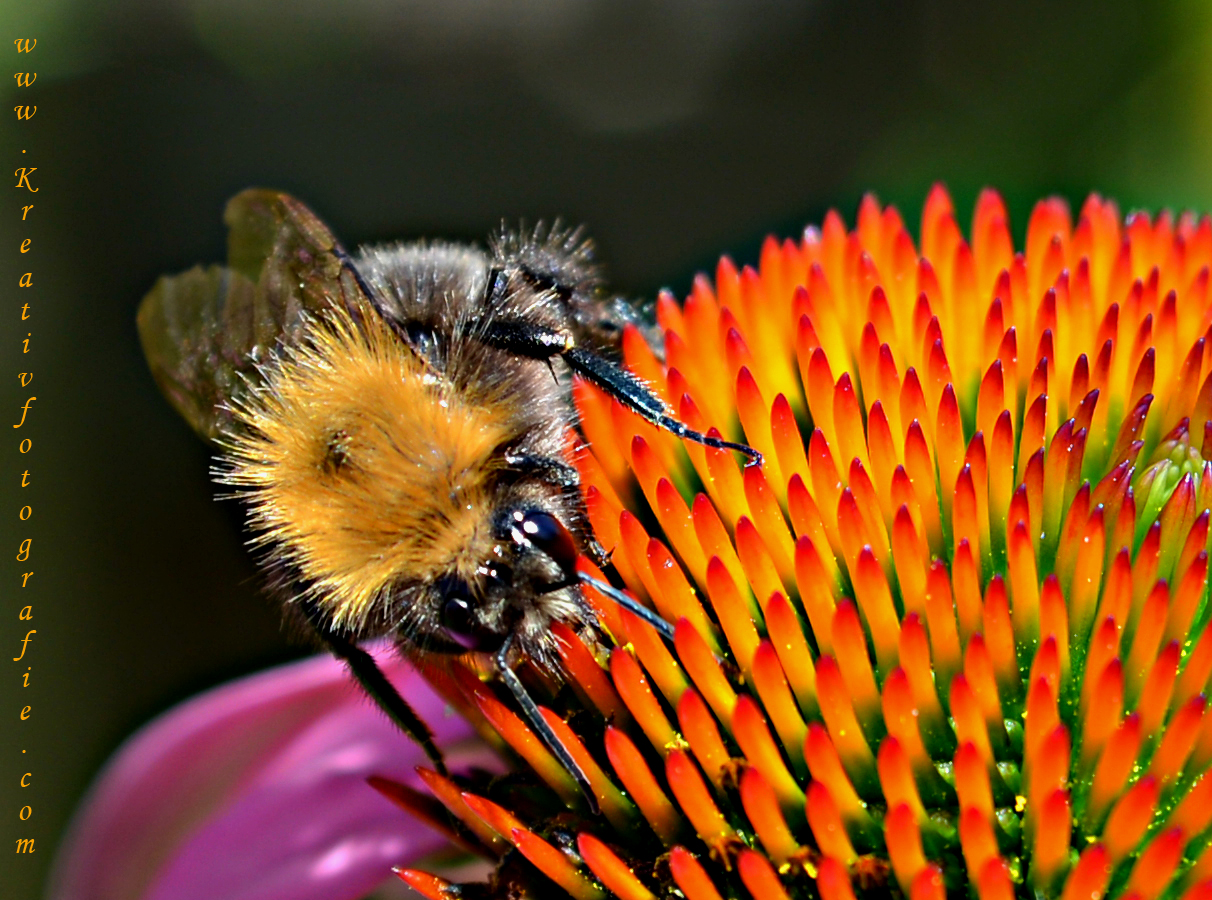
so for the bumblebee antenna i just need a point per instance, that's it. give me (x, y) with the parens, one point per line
(612, 593)
(536, 721)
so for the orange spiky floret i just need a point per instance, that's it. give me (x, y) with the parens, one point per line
(951, 638)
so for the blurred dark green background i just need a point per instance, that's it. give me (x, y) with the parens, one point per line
(675, 131)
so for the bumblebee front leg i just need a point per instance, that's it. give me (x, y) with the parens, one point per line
(540, 342)
(534, 718)
(364, 668)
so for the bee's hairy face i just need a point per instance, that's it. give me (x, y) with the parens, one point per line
(517, 590)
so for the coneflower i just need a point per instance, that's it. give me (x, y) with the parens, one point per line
(948, 640)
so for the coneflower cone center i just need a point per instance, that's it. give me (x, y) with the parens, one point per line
(950, 638)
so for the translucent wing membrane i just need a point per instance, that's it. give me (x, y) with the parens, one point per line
(205, 331)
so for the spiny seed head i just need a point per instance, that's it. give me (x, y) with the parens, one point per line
(950, 639)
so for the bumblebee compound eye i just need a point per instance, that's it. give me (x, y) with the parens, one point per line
(459, 620)
(547, 534)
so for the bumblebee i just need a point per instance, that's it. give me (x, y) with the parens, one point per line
(396, 425)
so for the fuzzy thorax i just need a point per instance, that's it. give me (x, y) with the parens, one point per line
(365, 471)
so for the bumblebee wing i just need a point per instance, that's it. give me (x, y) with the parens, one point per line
(205, 331)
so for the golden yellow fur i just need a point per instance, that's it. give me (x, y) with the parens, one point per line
(364, 466)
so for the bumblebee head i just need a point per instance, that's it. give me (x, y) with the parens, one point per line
(529, 581)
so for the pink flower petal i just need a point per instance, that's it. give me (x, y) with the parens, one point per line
(257, 791)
